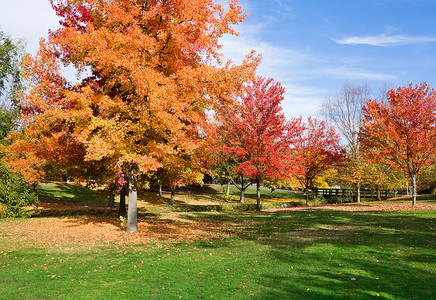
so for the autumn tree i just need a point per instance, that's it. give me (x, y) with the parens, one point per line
(318, 150)
(258, 135)
(379, 175)
(155, 70)
(222, 163)
(427, 180)
(401, 131)
(344, 112)
(178, 170)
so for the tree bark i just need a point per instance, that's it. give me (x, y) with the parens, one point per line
(122, 209)
(132, 212)
(111, 203)
(258, 208)
(307, 192)
(241, 197)
(172, 195)
(358, 191)
(414, 189)
(160, 190)
(378, 193)
(272, 193)
(228, 189)
(34, 185)
(243, 187)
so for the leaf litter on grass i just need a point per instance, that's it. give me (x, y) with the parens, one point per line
(96, 230)
(96, 226)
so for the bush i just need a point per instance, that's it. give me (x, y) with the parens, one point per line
(337, 200)
(15, 194)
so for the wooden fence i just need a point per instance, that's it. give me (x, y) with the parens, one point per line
(364, 193)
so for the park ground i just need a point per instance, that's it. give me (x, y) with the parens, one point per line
(207, 246)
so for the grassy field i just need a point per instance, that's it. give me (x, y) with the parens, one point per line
(74, 249)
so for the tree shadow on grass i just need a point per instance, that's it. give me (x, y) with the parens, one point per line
(393, 253)
(68, 192)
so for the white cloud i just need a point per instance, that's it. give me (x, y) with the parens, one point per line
(278, 62)
(353, 74)
(386, 40)
(282, 8)
(287, 66)
(302, 100)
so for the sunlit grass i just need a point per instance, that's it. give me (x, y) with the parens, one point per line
(302, 254)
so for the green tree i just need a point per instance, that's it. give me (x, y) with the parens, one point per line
(10, 83)
(15, 193)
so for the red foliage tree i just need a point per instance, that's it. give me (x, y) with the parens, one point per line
(318, 150)
(258, 135)
(401, 131)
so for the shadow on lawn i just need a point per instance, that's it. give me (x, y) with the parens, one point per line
(385, 263)
(384, 243)
(305, 227)
(68, 192)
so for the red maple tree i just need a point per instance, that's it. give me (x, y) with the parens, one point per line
(258, 135)
(319, 150)
(401, 131)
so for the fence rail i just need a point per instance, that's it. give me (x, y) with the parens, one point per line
(364, 193)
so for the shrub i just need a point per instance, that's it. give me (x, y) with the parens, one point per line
(337, 200)
(15, 194)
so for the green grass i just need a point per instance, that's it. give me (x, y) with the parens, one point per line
(308, 254)
(74, 193)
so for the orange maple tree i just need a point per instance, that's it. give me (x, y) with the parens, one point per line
(155, 70)
(401, 131)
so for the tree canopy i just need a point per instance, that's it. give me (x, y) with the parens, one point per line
(401, 131)
(258, 135)
(155, 70)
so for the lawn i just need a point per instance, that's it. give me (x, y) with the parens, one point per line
(75, 249)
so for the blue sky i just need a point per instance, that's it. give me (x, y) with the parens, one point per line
(311, 46)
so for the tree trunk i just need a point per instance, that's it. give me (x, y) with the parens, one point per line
(307, 192)
(160, 190)
(241, 198)
(414, 189)
(132, 213)
(272, 193)
(111, 203)
(34, 185)
(378, 193)
(258, 208)
(172, 195)
(358, 191)
(122, 210)
(243, 187)
(307, 196)
(228, 189)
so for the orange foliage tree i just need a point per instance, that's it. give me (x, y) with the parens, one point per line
(401, 131)
(155, 70)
